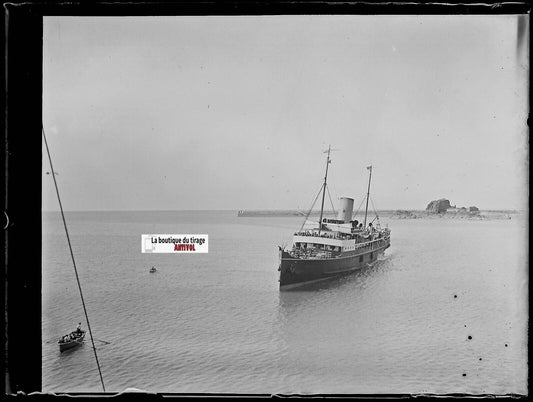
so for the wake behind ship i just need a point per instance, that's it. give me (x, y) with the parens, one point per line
(333, 247)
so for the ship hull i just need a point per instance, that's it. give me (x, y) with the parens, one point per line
(296, 272)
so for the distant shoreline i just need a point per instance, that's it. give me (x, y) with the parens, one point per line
(272, 213)
(392, 214)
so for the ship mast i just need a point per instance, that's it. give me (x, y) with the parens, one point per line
(328, 161)
(368, 193)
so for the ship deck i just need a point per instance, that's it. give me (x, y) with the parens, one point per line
(320, 248)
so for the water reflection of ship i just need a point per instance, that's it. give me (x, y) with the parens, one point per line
(334, 247)
(345, 287)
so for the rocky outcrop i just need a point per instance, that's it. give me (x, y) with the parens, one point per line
(443, 206)
(438, 206)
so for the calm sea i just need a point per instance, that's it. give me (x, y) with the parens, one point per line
(217, 322)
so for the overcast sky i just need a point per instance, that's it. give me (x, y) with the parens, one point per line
(171, 113)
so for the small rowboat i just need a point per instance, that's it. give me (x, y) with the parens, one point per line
(71, 340)
(152, 270)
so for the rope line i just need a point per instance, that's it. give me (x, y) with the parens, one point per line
(310, 209)
(359, 207)
(373, 207)
(375, 211)
(73, 261)
(332, 206)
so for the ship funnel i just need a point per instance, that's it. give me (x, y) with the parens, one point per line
(345, 209)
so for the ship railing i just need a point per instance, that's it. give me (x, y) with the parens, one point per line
(384, 234)
(298, 253)
(373, 244)
(324, 235)
(320, 253)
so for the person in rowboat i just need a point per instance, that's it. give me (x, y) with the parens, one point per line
(78, 328)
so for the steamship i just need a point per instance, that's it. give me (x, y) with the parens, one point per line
(332, 247)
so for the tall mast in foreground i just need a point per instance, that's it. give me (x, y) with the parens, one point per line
(328, 161)
(368, 193)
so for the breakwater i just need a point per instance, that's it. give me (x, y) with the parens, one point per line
(274, 213)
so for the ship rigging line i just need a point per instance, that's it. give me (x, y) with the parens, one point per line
(332, 206)
(310, 209)
(359, 207)
(72, 255)
(374, 208)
